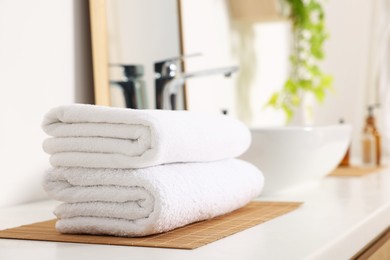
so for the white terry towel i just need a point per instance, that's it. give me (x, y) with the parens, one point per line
(151, 200)
(103, 137)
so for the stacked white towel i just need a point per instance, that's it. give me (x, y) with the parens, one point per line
(138, 172)
(102, 137)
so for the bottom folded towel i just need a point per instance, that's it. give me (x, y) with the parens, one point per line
(150, 200)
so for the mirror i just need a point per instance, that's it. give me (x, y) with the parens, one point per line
(135, 34)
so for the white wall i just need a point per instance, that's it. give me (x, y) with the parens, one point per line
(44, 62)
(347, 60)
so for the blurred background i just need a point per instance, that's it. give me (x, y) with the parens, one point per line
(46, 61)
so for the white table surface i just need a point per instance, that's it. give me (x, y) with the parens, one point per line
(339, 217)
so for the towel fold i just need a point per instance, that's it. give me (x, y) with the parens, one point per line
(102, 137)
(151, 200)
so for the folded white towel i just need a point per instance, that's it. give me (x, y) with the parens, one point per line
(103, 137)
(149, 200)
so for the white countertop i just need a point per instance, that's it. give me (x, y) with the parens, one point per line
(338, 218)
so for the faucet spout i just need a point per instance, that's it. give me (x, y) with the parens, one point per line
(226, 71)
(174, 85)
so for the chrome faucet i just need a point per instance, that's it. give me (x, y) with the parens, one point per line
(170, 81)
(132, 85)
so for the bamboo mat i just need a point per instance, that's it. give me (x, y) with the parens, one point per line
(187, 237)
(354, 171)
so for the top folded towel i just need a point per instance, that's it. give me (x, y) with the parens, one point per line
(103, 137)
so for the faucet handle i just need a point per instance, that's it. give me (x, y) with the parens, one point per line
(168, 68)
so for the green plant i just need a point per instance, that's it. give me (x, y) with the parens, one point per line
(309, 35)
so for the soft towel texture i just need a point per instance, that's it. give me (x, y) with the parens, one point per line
(103, 137)
(150, 200)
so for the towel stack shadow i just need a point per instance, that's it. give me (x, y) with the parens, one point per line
(131, 172)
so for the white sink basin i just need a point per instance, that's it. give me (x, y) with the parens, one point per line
(295, 156)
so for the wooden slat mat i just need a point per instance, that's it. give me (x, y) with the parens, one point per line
(187, 237)
(354, 171)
